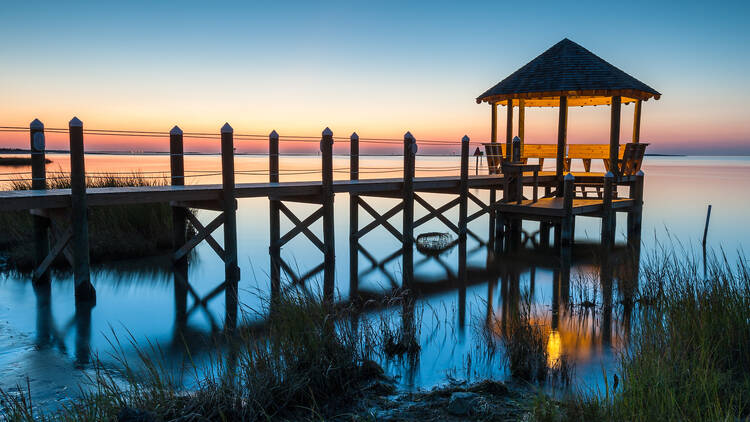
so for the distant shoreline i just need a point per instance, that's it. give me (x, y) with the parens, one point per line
(13, 151)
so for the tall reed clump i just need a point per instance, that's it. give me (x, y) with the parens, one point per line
(309, 364)
(689, 353)
(115, 232)
(525, 345)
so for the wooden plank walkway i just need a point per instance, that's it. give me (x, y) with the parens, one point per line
(555, 206)
(60, 198)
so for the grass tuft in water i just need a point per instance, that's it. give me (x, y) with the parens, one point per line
(115, 232)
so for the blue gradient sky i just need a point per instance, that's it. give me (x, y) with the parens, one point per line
(378, 68)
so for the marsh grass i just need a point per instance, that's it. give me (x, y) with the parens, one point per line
(115, 232)
(689, 353)
(521, 337)
(308, 365)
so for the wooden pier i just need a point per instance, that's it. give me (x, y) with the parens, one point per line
(61, 217)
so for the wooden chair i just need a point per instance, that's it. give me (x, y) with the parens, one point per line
(494, 153)
(631, 159)
(629, 163)
(538, 151)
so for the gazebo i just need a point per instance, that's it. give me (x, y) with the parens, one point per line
(567, 75)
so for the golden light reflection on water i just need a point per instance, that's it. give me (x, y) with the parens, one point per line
(553, 348)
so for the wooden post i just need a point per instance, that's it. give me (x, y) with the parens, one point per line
(84, 290)
(544, 227)
(353, 217)
(608, 215)
(274, 217)
(566, 231)
(562, 135)
(177, 170)
(231, 269)
(521, 122)
(636, 215)
(329, 271)
(493, 192)
(39, 182)
(410, 150)
(637, 121)
(463, 209)
(493, 124)
(509, 128)
(179, 225)
(614, 136)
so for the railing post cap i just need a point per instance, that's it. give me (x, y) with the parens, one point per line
(273, 134)
(327, 132)
(354, 136)
(516, 139)
(408, 136)
(75, 122)
(465, 138)
(226, 128)
(569, 177)
(609, 175)
(175, 130)
(36, 124)
(640, 173)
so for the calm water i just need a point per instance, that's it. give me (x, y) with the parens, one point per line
(43, 338)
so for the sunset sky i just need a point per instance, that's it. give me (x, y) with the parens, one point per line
(380, 68)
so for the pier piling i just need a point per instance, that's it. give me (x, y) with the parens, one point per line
(410, 151)
(84, 290)
(39, 182)
(179, 224)
(608, 214)
(566, 229)
(353, 217)
(463, 209)
(229, 203)
(274, 216)
(329, 259)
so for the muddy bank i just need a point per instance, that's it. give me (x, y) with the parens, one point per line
(486, 400)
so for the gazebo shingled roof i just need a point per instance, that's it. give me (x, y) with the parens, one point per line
(568, 69)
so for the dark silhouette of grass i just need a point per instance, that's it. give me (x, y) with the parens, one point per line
(689, 356)
(305, 368)
(115, 232)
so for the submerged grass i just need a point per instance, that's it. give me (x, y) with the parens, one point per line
(689, 353)
(306, 367)
(115, 232)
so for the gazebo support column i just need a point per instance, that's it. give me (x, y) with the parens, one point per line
(509, 130)
(493, 192)
(521, 121)
(493, 124)
(614, 136)
(637, 122)
(562, 135)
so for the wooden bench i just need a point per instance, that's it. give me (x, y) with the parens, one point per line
(588, 152)
(538, 151)
(495, 157)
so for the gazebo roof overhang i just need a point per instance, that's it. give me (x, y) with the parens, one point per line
(567, 69)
